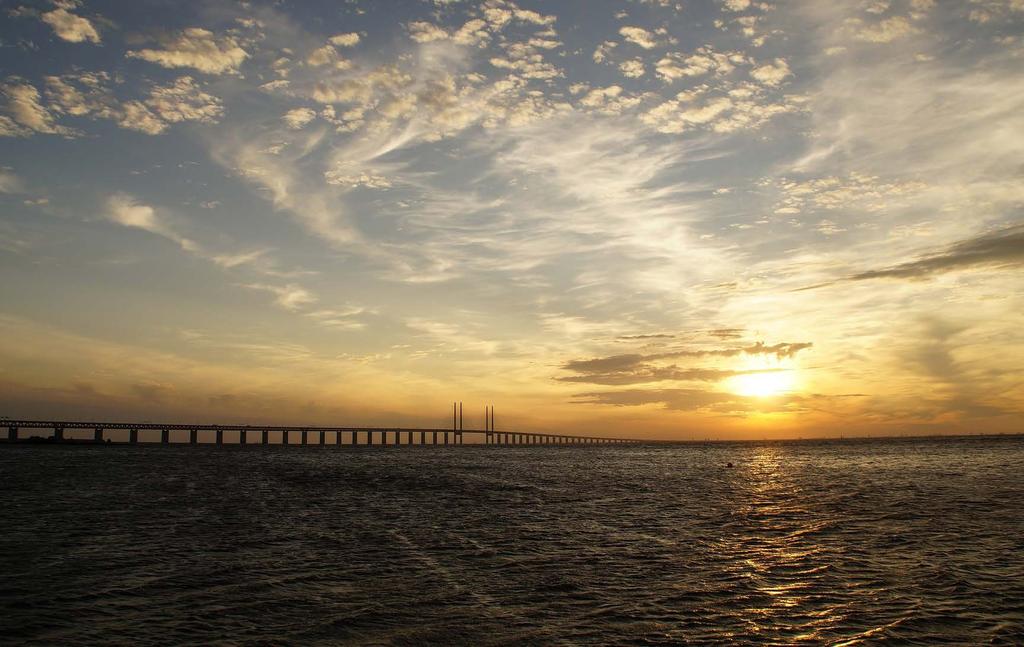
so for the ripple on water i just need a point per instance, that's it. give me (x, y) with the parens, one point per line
(849, 543)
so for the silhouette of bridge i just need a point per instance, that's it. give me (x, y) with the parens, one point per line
(58, 431)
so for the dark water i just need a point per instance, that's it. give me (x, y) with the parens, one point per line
(856, 542)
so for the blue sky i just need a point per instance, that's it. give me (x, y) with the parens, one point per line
(733, 218)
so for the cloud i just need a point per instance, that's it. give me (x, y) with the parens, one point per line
(125, 210)
(296, 118)
(70, 27)
(89, 95)
(290, 297)
(773, 73)
(859, 191)
(236, 260)
(736, 5)
(197, 48)
(608, 101)
(999, 249)
(987, 10)
(717, 402)
(29, 115)
(727, 333)
(183, 100)
(152, 391)
(135, 115)
(603, 50)
(639, 36)
(884, 31)
(704, 60)
(633, 361)
(646, 374)
(10, 183)
(675, 399)
(128, 211)
(632, 69)
(345, 40)
(745, 107)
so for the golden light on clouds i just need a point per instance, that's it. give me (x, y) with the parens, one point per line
(363, 212)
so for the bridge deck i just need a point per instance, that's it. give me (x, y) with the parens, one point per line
(494, 437)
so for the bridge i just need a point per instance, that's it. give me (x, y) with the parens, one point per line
(59, 431)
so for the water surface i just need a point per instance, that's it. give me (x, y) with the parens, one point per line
(908, 541)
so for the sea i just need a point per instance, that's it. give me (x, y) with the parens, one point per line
(914, 541)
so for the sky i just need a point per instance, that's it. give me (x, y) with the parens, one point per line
(649, 218)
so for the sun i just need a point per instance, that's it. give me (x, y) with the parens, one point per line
(763, 385)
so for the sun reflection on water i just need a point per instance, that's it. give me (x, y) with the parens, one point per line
(785, 562)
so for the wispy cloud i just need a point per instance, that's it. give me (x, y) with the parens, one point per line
(290, 296)
(1003, 248)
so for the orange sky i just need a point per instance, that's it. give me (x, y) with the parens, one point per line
(675, 220)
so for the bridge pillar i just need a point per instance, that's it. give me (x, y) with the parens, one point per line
(355, 438)
(435, 437)
(369, 437)
(446, 438)
(220, 437)
(193, 436)
(337, 438)
(165, 436)
(408, 438)
(133, 436)
(12, 434)
(423, 438)
(58, 434)
(284, 437)
(384, 437)
(241, 437)
(265, 437)
(305, 438)
(323, 438)
(97, 435)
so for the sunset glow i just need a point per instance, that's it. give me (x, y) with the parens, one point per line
(672, 218)
(762, 384)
